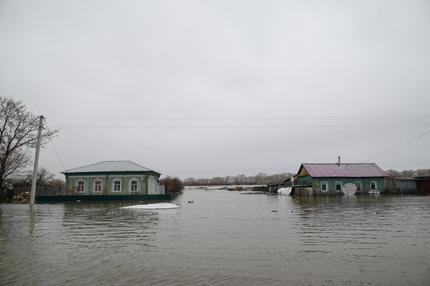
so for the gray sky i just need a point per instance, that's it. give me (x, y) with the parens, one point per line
(208, 88)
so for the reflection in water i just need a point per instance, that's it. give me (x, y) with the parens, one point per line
(223, 238)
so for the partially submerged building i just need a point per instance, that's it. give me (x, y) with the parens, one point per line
(274, 187)
(339, 178)
(112, 178)
(405, 185)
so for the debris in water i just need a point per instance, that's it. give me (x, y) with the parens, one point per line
(160, 206)
(284, 191)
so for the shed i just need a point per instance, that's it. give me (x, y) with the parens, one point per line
(423, 184)
(406, 185)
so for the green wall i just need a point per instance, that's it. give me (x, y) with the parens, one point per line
(147, 184)
(331, 182)
(152, 185)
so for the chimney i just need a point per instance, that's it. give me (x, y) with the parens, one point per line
(338, 160)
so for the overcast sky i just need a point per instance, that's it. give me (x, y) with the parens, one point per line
(215, 88)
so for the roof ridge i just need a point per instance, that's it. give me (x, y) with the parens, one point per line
(342, 163)
(110, 165)
(84, 166)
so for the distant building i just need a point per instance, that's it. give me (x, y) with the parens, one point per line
(112, 178)
(339, 178)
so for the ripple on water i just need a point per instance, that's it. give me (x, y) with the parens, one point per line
(221, 239)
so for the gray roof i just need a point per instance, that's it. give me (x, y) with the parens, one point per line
(110, 166)
(344, 170)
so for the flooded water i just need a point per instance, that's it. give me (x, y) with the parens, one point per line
(223, 238)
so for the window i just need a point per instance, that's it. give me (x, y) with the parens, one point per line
(97, 187)
(373, 185)
(338, 186)
(117, 185)
(358, 186)
(324, 187)
(81, 186)
(133, 185)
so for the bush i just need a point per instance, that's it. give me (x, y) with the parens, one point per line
(172, 185)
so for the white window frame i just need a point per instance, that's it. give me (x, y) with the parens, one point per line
(83, 185)
(335, 186)
(95, 183)
(130, 185)
(359, 186)
(376, 185)
(113, 185)
(326, 186)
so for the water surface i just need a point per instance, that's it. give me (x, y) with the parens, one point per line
(223, 238)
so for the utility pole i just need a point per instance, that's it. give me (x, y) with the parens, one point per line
(36, 161)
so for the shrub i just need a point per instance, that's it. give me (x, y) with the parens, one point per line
(172, 185)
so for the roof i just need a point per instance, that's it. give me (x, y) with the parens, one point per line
(344, 170)
(422, 178)
(110, 166)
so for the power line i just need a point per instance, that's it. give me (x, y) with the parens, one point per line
(58, 156)
(236, 117)
(400, 146)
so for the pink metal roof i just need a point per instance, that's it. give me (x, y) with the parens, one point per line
(344, 170)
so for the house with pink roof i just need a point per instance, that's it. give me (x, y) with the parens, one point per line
(339, 178)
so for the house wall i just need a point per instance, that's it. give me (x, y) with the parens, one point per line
(331, 184)
(147, 184)
(152, 185)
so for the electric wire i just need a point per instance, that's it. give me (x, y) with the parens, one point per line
(398, 147)
(56, 153)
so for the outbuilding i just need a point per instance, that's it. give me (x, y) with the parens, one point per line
(423, 184)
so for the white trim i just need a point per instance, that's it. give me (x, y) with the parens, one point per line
(376, 186)
(326, 186)
(359, 186)
(113, 185)
(133, 179)
(80, 180)
(97, 179)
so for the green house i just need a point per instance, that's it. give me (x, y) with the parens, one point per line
(113, 178)
(339, 178)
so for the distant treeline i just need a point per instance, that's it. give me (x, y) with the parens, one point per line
(409, 173)
(259, 179)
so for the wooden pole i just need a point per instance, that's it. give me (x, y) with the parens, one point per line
(36, 161)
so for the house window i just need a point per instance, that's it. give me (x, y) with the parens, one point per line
(81, 186)
(133, 185)
(97, 187)
(338, 186)
(324, 187)
(358, 186)
(117, 185)
(373, 185)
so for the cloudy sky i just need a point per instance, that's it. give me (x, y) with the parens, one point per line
(209, 88)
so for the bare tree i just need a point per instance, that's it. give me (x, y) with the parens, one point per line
(44, 177)
(18, 133)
